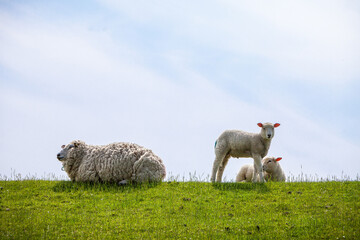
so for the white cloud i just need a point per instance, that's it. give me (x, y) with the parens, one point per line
(89, 85)
(130, 104)
(316, 42)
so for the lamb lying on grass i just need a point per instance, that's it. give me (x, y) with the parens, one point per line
(240, 144)
(116, 162)
(271, 167)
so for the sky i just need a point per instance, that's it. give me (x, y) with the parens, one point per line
(173, 75)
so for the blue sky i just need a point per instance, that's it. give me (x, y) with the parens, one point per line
(172, 75)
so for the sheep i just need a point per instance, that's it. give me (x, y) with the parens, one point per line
(240, 144)
(246, 173)
(271, 170)
(117, 162)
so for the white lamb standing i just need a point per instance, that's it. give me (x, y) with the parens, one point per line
(271, 167)
(240, 144)
(116, 162)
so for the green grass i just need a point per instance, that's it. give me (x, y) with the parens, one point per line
(36, 209)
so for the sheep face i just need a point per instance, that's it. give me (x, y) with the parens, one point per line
(270, 164)
(267, 130)
(70, 151)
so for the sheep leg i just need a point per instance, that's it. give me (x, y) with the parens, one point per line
(218, 160)
(222, 168)
(123, 182)
(257, 169)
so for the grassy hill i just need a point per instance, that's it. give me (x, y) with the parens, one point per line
(35, 209)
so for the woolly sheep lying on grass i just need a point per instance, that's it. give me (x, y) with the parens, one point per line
(271, 167)
(240, 144)
(116, 162)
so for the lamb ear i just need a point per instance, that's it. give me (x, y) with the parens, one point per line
(276, 125)
(278, 159)
(260, 124)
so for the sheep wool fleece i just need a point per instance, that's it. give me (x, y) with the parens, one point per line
(111, 163)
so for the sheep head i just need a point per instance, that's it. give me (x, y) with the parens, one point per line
(270, 164)
(267, 130)
(71, 151)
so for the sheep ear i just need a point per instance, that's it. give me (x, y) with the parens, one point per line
(63, 146)
(278, 159)
(276, 124)
(260, 124)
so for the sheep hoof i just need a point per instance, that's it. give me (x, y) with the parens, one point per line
(123, 182)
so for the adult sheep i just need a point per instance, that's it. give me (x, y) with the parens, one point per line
(116, 162)
(271, 167)
(240, 144)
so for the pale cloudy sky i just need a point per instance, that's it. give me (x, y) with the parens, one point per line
(172, 75)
